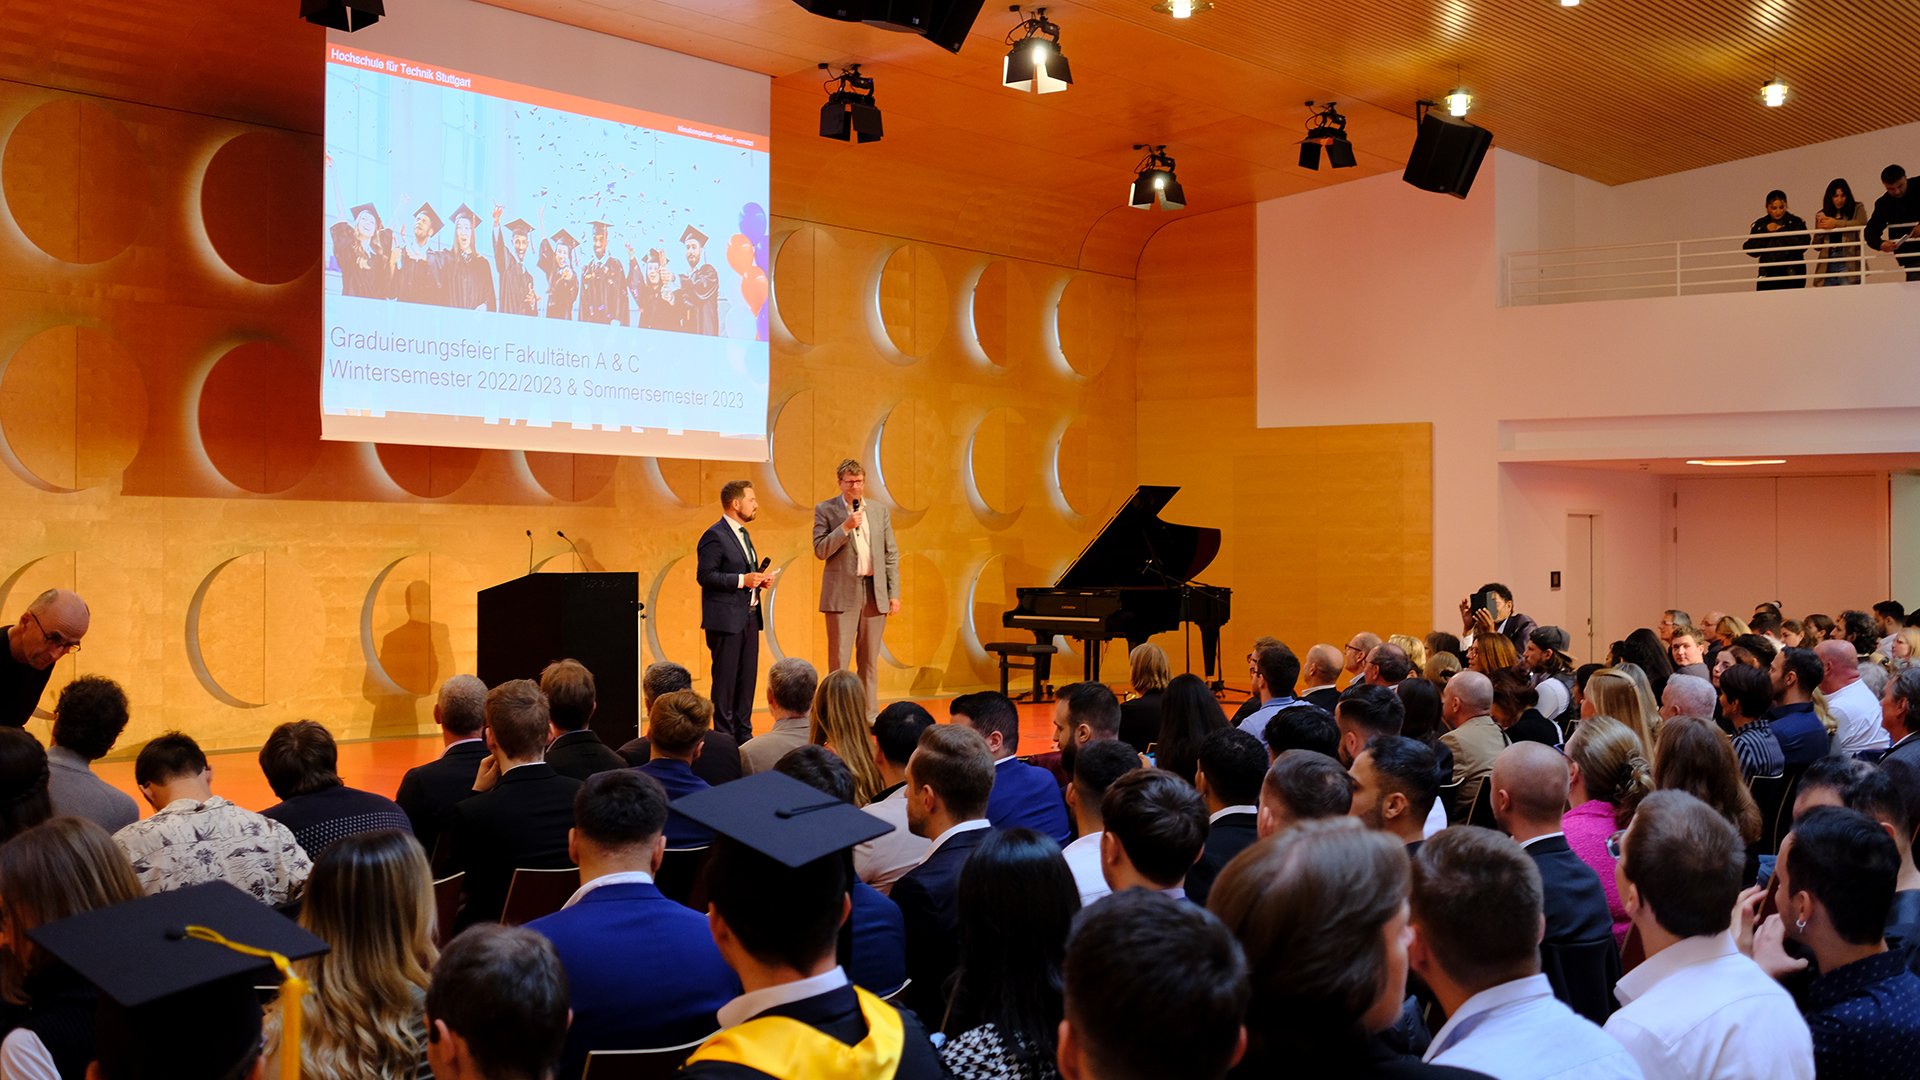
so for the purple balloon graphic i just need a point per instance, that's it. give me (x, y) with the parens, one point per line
(753, 222)
(763, 332)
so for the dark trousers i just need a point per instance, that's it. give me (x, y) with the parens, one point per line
(736, 667)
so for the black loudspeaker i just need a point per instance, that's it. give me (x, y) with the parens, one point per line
(951, 21)
(1446, 155)
(844, 10)
(943, 22)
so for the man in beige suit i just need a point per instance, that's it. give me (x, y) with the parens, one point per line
(860, 585)
(1475, 738)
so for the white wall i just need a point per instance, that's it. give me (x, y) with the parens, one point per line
(1630, 569)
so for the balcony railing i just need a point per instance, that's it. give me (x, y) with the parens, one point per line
(1713, 264)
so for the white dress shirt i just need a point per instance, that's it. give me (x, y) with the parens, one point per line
(624, 877)
(1699, 1010)
(952, 831)
(862, 544)
(886, 859)
(1436, 820)
(754, 1002)
(1519, 1031)
(740, 537)
(1554, 698)
(1083, 858)
(1857, 712)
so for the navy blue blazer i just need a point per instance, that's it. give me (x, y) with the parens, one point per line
(580, 754)
(1576, 906)
(522, 822)
(928, 897)
(642, 971)
(1026, 797)
(837, 1013)
(678, 778)
(719, 561)
(1226, 838)
(427, 790)
(879, 960)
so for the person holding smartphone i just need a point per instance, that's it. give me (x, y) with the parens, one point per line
(1490, 611)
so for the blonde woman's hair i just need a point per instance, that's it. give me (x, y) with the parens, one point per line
(840, 724)
(1731, 626)
(57, 869)
(1415, 649)
(370, 898)
(1612, 763)
(1615, 693)
(1149, 664)
(1440, 667)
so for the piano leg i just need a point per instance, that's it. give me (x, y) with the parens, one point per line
(1090, 659)
(1209, 648)
(1042, 665)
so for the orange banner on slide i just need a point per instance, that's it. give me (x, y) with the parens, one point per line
(415, 71)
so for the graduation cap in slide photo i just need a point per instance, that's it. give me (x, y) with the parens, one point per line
(564, 239)
(178, 974)
(367, 208)
(781, 818)
(434, 224)
(465, 211)
(519, 227)
(695, 235)
(599, 227)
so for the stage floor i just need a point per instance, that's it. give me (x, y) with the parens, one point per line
(378, 765)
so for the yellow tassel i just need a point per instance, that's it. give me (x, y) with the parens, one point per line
(293, 989)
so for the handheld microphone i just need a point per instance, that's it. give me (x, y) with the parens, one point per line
(529, 551)
(764, 563)
(576, 548)
(856, 506)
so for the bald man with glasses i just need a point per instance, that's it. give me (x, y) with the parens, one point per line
(50, 629)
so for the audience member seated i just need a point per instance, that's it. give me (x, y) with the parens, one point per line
(1387, 665)
(1153, 988)
(1670, 620)
(1299, 786)
(1550, 670)
(1607, 776)
(196, 836)
(1420, 699)
(877, 934)
(840, 724)
(1899, 714)
(1302, 727)
(87, 720)
(497, 1008)
(1415, 649)
(779, 885)
(24, 801)
(521, 811)
(642, 970)
(1366, 712)
(1491, 653)
(1328, 979)
(427, 790)
(1476, 913)
(1017, 903)
(1644, 650)
(719, 759)
(58, 869)
(1395, 784)
(1746, 695)
(1687, 695)
(1696, 757)
(949, 778)
(1763, 650)
(370, 898)
(791, 684)
(1156, 825)
(1696, 1007)
(1883, 793)
(1253, 673)
(1513, 709)
(1836, 880)
(1276, 671)
(571, 702)
(1688, 652)
(1354, 660)
(1853, 706)
(1095, 769)
(881, 861)
(1796, 674)
(675, 723)
(1083, 712)
(1503, 619)
(1529, 792)
(1318, 676)
(1466, 706)
(1188, 714)
(1140, 714)
(1023, 797)
(1614, 692)
(301, 764)
(1232, 767)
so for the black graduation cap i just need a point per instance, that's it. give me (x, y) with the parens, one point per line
(434, 224)
(564, 237)
(519, 227)
(366, 208)
(599, 227)
(466, 211)
(781, 818)
(172, 1002)
(692, 233)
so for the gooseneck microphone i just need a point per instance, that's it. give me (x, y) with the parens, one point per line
(529, 551)
(576, 548)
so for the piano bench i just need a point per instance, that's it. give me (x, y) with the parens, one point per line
(1035, 655)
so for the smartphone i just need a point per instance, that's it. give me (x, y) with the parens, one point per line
(1153, 753)
(1484, 602)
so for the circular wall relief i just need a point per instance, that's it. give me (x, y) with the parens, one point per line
(73, 407)
(1000, 462)
(794, 627)
(992, 312)
(917, 636)
(790, 446)
(915, 455)
(75, 180)
(431, 472)
(257, 200)
(571, 477)
(913, 300)
(673, 614)
(795, 288)
(1095, 315)
(255, 627)
(259, 417)
(1086, 468)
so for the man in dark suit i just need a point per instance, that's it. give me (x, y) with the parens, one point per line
(427, 790)
(1500, 619)
(1319, 672)
(719, 759)
(1156, 825)
(1232, 766)
(875, 943)
(1900, 716)
(1023, 796)
(1395, 783)
(674, 726)
(949, 778)
(642, 970)
(522, 809)
(728, 569)
(575, 750)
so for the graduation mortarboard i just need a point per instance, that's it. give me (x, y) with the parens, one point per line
(692, 233)
(177, 973)
(366, 208)
(780, 817)
(466, 211)
(599, 227)
(519, 227)
(434, 224)
(565, 239)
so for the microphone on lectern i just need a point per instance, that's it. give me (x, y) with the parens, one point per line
(576, 548)
(529, 551)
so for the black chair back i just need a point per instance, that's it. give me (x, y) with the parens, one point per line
(446, 905)
(682, 877)
(1767, 792)
(1449, 795)
(1482, 812)
(656, 1063)
(534, 893)
(1583, 975)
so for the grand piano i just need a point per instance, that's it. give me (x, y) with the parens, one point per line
(1134, 580)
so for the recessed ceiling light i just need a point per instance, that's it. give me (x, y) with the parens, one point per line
(1734, 463)
(1182, 9)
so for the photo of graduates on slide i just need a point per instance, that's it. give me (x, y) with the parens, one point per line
(443, 196)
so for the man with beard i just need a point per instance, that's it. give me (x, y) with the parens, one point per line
(556, 261)
(730, 575)
(603, 283)
(1395, 783)
(1082, 713)
(517, 296)
(465, 273)
(698, 293)
(416, 264)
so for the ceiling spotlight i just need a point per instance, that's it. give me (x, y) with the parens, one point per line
(1182, 9)
(1154, 183)
(1458, 103)
(1326, 128)
(1735, 463)
(1569, 3)
(346, 15)
(850, 112)
(1774, 92)
(1035, 64)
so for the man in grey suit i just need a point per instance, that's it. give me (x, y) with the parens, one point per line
(860, 585)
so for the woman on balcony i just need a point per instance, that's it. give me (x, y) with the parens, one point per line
(1777, 239)
(1840, 255)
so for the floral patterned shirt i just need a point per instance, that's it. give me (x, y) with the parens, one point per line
(189, 842)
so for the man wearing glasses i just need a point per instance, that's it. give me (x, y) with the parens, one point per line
(52, 627)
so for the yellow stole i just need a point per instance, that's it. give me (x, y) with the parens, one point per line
(785, 1047)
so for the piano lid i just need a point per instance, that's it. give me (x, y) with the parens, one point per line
(1136, 537)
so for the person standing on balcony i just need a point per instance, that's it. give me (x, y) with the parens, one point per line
(1890, 228)
(1841, 257)
(1777, 239)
